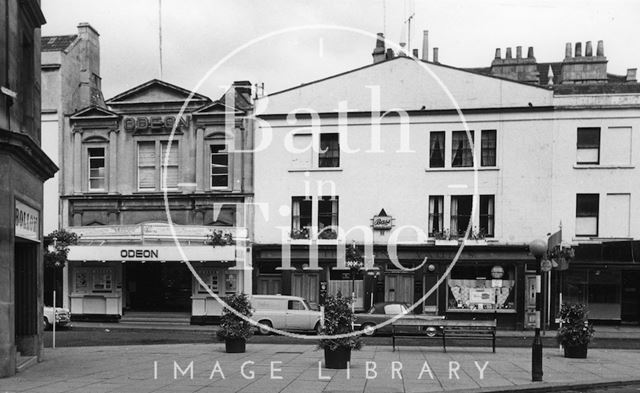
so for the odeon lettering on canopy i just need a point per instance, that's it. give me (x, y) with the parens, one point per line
(139, 253)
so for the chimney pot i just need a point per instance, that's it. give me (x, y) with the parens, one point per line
(530, 52)
(631, 75)
(380, 40)
(498, 54)
(518, 52)
(415, 53)
(425, 45)
(508, 56)
(390, 54)
(588, 50)
(379, 52)
(578, 49)
(435, 55)
(600, 49)
(567, 50)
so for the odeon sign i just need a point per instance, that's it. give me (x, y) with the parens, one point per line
(139, 254)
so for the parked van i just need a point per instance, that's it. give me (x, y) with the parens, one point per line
(290, 313)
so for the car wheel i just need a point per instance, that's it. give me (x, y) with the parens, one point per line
(318, 328)
(47, 325)
(369, 329)
(262, 330)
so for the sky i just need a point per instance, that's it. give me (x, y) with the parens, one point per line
(198, 34)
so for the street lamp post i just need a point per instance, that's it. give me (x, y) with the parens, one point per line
(538, 248)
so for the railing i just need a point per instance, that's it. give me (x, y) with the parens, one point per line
(154, 231)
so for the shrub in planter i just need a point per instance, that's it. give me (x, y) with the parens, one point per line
(235, 331)
(338, 319)
(575, 331)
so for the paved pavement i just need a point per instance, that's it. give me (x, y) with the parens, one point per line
(151, 368)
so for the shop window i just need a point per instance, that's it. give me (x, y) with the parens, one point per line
(152, 168)
(230, 283)
(588, 145)
(488, 148)
(329, 156)
(219, 170)
(587, 206)
(327, 212)
(81, 280)
(461, 206)
(436, 149)
(97, 159)
(436, 214)
(461, 149)
(210, 278)
(481, 288)
(487, 215)
(301, 215)
(102, 280)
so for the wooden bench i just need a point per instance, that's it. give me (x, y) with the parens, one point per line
(480, 330)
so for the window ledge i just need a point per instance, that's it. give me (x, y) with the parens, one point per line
(485, 311)
(596, 166)
(315, 170)
(463, 169)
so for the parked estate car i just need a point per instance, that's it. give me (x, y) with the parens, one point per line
(62, 317)
(289, 313)
(381, 312)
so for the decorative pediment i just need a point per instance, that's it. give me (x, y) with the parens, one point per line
(94, 112)
(156, 91)
(217, 108)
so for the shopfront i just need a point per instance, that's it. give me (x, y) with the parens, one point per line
(106, 280)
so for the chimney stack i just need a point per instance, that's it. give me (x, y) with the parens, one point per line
(90, 86)
(567, 50)
(518, 52)
(518, 69)
(379, 52)
(631, 75)
(435, 55)
(508, 56)
(425, 45)
(578, 49)
(530, 53)
(600, 49)
(588, 50)
(498, 54)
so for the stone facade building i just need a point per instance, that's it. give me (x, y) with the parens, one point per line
(154, 168)
(24, 167)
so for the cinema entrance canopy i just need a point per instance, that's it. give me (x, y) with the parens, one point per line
(116, 269)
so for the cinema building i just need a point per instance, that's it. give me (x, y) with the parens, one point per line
(157, 180)
(403, 178)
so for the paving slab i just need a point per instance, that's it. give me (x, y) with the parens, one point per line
(268, 368)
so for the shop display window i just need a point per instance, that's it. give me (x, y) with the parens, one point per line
(102, 280)
(482, 288)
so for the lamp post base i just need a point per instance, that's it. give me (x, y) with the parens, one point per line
(536, 357)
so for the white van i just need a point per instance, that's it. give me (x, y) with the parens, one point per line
(290, 313)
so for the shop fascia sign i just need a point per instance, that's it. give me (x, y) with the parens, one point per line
(151, 253)
(27, 222)
(382, 221)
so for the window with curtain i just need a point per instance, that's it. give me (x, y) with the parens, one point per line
(171, 167)
(587, 208)
(487, 215)
(461, 149)
(301, 213)
(488, 148)
(588, 146)
(147, 165)
(327, 212)
(151, 165)
(96, 157)
(461, 206)
(329, 156)
(436, 216)
(436, 149)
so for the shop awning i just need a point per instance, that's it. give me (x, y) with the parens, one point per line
(151, 253)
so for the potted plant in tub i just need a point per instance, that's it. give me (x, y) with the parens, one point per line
(338, 319)
(234, 330)
(575, 331)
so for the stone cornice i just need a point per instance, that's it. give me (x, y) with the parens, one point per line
(28, 153)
